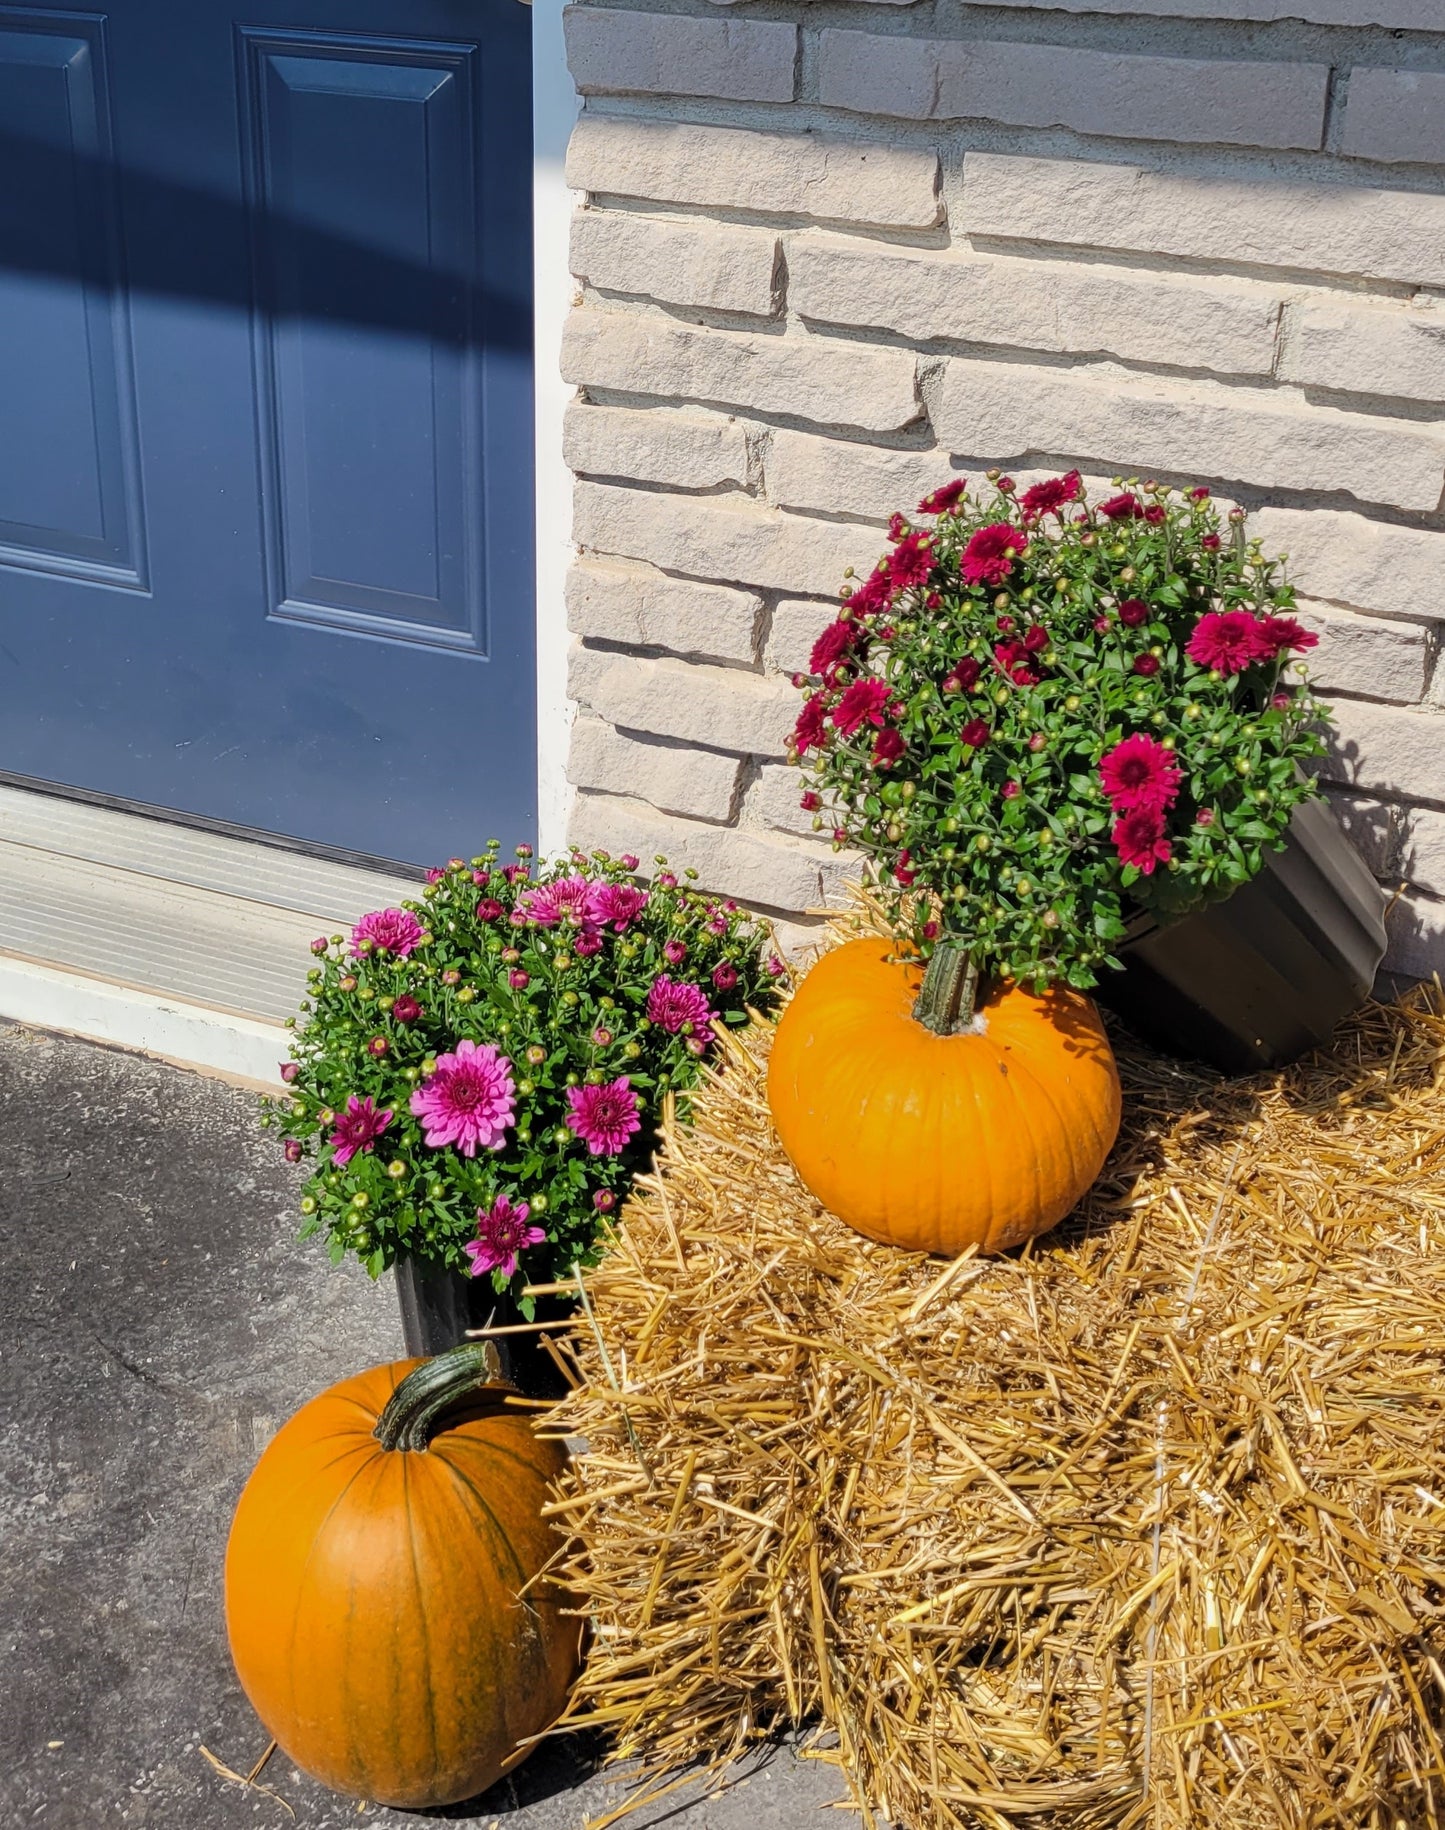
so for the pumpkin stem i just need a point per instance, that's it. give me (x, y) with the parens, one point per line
(416, 1406)
(946, 999)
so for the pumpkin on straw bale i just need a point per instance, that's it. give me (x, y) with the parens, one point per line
(1143, 1525)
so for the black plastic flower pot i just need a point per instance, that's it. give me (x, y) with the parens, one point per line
(1258, 979)
(438, 1306)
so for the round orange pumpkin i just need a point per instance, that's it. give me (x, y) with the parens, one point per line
(374, 1583)
(936, 1142)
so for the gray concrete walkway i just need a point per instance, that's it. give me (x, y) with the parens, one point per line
(159, 1320)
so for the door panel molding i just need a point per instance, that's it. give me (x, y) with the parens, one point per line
(70, 495)
(370, 442)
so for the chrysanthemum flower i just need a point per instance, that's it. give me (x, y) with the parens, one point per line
(389, 930)
(1121, 508)
(502, 1236)
(356, 1129)
(604, 1117)
(811, 729)
(963, 676)
(469, 1101)
(888, 746)
(1283, 633)
(672, 1002)
(1013, 662)
(555, 902)
(614, 905)
(947, 496)
(910, 563)
(1140, 772)
(1050, 496)
(862, 703)
(988, 558)
(874, 594)
(1139, 839)
(1229, 641)
(836, 642)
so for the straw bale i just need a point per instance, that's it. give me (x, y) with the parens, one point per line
(1141, 1525)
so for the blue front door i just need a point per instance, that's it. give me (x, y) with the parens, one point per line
(265, 414)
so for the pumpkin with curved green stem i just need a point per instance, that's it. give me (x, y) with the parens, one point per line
(933, 1119)
(383, 1600)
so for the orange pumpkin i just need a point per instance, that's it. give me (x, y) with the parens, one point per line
(939, 1141)
(375, 1577)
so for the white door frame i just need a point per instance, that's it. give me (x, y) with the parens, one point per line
(555, 107)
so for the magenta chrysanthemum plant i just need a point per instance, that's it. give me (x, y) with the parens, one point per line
(1039, 716)
(478, 1074)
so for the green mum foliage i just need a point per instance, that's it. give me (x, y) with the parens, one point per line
(576, 981)
(1039, 717)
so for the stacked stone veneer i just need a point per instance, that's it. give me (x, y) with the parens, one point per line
(826, 254)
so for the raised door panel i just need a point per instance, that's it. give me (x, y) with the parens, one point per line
(69, 490)
(363, 175)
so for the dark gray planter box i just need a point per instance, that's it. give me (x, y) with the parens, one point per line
(438, 1306)
(1258, 979)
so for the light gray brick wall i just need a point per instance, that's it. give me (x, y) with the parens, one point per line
(827, 257)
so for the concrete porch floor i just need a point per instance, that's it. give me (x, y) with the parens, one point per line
(159, 1322)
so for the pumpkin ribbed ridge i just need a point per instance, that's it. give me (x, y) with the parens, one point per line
(936, 1143)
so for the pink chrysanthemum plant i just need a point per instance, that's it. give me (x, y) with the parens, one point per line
(1040, 716)
(478, 1075)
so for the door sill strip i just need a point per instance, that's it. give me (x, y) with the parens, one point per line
(190, 945)
(245, 1050)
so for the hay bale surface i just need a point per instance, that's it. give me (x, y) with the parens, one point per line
(1142, 1525)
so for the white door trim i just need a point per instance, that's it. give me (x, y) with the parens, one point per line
(555, 108)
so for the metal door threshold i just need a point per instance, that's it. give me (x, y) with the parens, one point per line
(187, 944)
